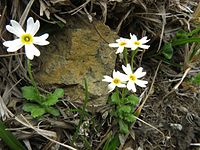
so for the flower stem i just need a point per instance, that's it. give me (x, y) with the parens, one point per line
(125, 55)
(31, 76)
(123, 93)
(132, 57)
(117, 90)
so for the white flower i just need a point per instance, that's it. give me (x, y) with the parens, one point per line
(133, 78)
(134, 43)
(117, 80)
(27, 39)
(120, 43)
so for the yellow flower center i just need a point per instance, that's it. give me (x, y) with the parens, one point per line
(27, 38)
(122, 43)
(132, 77)
(116, 81)
(137, 43)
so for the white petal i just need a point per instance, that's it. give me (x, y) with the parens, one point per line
(35, 28)
(107, 79)
(114, 45)
(31, 50)
(132, 46)
(32, 27)
(14, 49)
(131, 86)
(114, 74)
(138, 73)
(141, 83)
(122, 40)
(111, 87)
(144, 46)
(13, 45)
(36, 52)
(121, 76)
(17, 27)
(144, 40)
(120, 50)
(133, 37)
(121, 85)
(127, 69)
(44, 36)
(13, 31)
(30, 24)
(41, 40)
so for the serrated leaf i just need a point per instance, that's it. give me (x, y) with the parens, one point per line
(130, 118)
(125, 109)
(34, 109)
(167, 50)
(52, 98)
(115, 98)
(30, 93)
(133, 99)
(59, 93)
(38, 112)
(53, 111)
(123, 127)
(29, 106)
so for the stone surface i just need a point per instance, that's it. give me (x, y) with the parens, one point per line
(76, 52)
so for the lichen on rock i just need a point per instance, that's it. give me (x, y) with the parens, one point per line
(80, 50)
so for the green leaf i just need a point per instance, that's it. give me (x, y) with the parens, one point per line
(35, 109)
(52, 98)
(167, 50)
(59, 93)
(123, 127)
(185, 41)
(30, 93)
(196, 79)
(53, 111)
(195, 31)
(115, 98)
(133, 99)
(181, 34)
(10, 140)
(125, 109)
(29, 106)
(130, 118)
(112, 143)
(194, 56)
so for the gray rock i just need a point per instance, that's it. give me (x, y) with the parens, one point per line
(76, 52)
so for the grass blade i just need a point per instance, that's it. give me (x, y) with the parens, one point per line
(10, 140)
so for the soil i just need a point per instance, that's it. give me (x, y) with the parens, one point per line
(176, 115)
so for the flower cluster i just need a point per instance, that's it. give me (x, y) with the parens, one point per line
(130, 79)
(27, 39)
(133, 43)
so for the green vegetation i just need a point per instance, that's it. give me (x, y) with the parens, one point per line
(38, 104)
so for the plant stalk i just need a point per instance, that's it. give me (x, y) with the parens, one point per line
(31, 76)
(125, 55)
(134, 52)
